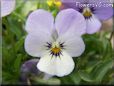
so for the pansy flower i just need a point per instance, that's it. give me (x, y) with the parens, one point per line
(29, 68)
(94, 12)
(55, 41)
(7, 6)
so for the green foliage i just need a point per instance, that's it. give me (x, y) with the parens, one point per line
(93, 67)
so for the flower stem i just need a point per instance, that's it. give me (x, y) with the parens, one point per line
(28, 82)
(111, 36)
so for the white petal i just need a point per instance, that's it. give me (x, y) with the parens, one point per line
(39, 20)
(70, 20)
(35, 44)
(59, 66)
(93, 25)
(7, 6)
(64, 64)
(73, 44)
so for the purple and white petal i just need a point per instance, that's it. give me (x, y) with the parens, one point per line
(7, 6)
(35, 43)
(73, 44)
(93, 25)
(71, 21)
(30, 66)
(40, 20)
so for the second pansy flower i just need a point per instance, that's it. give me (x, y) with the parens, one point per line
(94, 12)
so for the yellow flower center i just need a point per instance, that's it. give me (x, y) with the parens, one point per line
(87, 12)
(56, 50)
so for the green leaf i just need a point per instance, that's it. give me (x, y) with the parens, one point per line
(71, 79)
(75, 77)
(101, 70)
(51, 81)
(85, 76)
(91, 65)
(17, 63)
(14, 27)
(19, 44)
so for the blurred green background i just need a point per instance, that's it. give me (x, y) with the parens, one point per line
(94, 66)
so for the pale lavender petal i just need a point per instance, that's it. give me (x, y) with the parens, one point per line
(93, 25)
(69, 3)
(71, 21)
(74, 44)
(75, 4)
(39, 20)
(7, 6)
(103, 13)
(35, 43)
(98, 1)
(39, 26)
